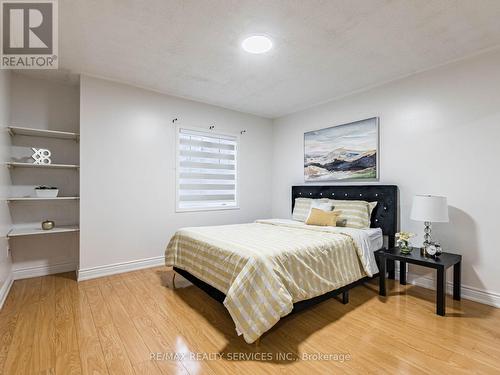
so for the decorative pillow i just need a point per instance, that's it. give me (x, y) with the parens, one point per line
(355, 214)
(323, 218)
(302, 207)
(322, 204)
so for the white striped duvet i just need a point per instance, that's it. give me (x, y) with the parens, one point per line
(265, 267)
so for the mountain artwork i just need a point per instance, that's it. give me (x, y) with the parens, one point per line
(343, 152)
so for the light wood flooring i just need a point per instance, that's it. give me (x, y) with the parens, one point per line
(112, 325)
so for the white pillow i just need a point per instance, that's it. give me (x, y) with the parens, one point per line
(302, 207)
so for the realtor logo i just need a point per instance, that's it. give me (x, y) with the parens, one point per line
(29, 34)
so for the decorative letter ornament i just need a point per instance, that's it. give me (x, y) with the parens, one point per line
(41, 156)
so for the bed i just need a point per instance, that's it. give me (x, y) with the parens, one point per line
(265, 270)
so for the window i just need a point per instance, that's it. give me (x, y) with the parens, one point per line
(207, 174)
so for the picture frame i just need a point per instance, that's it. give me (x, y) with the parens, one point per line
(343, 152)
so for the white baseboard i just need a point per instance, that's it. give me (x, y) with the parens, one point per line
(43, 270)
(467, 292)
(4, 291)
(83, 274)
(112, 269)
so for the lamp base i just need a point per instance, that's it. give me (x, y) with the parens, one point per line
(427, 233)
(427, 238)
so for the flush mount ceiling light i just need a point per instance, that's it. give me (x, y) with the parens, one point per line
(257, 44)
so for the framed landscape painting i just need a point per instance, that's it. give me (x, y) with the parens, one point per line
(343, 152)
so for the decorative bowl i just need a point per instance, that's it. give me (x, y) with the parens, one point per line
(48, 225)
(46, 193)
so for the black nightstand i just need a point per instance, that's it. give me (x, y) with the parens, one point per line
(441, 264)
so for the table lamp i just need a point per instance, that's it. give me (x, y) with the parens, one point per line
(429, 209)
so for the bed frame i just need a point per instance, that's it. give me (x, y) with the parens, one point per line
(384, 216)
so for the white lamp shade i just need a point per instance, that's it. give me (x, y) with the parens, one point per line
(430, 208)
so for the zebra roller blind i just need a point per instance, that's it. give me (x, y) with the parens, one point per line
(206, 170)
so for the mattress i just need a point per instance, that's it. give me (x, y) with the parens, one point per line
(263, 268)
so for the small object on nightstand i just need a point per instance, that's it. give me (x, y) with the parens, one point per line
(433, 250)
(404, 241)
(48, 225)
(406, 250)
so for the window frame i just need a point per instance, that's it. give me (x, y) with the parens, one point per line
(177, 170)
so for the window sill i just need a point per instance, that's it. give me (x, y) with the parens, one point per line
(181, 210)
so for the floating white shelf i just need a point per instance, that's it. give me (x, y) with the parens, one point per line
(35, 231)
(14, 130)
(13, 164)
(34, 199)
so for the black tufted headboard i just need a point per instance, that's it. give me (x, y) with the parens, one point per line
(385, 215)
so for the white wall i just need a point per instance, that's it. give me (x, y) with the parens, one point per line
(439, 134)
(44, 104)
(5, 222)
(127, 155)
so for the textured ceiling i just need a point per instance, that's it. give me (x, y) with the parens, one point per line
(322, 49)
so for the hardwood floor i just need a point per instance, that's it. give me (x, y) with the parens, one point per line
(114, 325)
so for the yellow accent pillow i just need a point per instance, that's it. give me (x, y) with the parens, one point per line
(323, 218)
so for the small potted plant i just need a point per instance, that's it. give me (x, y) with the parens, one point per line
(43, 191)
(403, 241)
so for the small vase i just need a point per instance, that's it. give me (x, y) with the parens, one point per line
(404, 247)
(48, 225)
